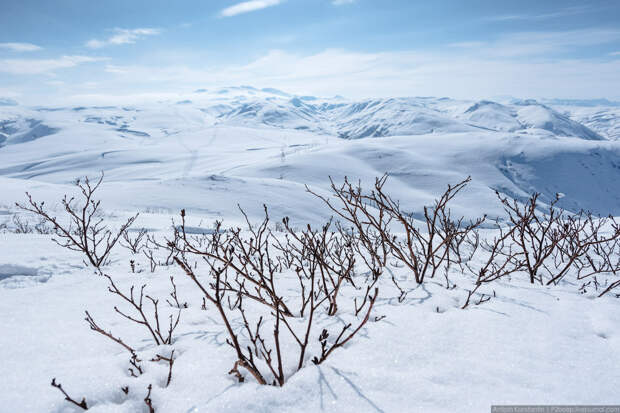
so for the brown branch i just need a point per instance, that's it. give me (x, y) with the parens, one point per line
(148, 401)
(82, 404)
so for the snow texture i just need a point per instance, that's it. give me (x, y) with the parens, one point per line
(211, 150)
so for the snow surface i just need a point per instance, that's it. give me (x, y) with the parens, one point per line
(213, 149)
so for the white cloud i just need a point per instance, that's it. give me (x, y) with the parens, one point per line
(38, 66)
(540, 43)
(248, 6)
(385, 74)
(20, 47)
(468, 45)
(523, 64)
(122, 36)
(341, 2)
(615, 53)
(568, 11)
(9, 93)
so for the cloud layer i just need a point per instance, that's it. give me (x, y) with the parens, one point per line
(39, 66)
(122, 36)
(248, 6)
(360, 75)
(20, 47)
(523, 64)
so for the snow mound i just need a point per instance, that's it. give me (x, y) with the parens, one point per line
(543, 117)
(21, 130)
(493, 116)
(604, 120)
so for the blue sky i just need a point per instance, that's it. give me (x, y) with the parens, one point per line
(70, 50)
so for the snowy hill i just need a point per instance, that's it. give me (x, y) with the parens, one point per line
(269, 142)
(605, 120)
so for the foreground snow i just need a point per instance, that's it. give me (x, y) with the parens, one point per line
(529, 344)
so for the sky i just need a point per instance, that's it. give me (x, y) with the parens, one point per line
(79, 51)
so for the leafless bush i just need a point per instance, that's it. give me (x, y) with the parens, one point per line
(326, 251)
(536, 235)
(367, 229)
(23, 226)
(134, 244)
(501, 260)
(160, 333)
(586, 248)
(86, 230)
(550, 244)
(161, 254)
(424, 250)
(244, 272)
(136, 368)
(251, 258)
(152, 324)
(170, 361)
(274, 329)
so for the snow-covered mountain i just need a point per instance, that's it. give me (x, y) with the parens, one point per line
(605, 120)
(251, 107)
(380, 117)
(245, 144)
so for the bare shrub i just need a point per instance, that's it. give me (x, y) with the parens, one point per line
(550, 244)
(367, 230)
(244, 279)
(23, 226)
(501, 260)
(161, 333)
(134, 244)
(170, 361)
(424, 250)
(586, 248)
(138, 304)
(536, 235)
(324, 250)
(161, 254)
(86, 231)
(280, 293)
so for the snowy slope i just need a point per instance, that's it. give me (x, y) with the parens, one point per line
(426, 355)
(212, 150)
(242, 142)
(605, 120)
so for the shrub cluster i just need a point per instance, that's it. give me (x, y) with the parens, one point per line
(244, 272)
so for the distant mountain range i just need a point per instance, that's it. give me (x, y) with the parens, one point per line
(337, 116)
(247, 145)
